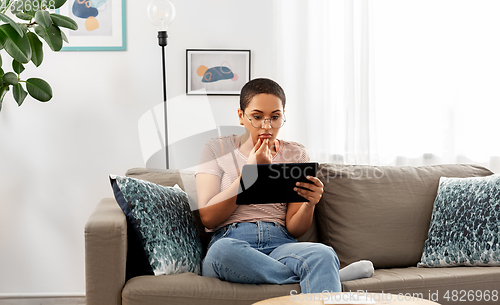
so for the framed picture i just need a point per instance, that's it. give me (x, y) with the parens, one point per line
(101, 25)
(219, 72)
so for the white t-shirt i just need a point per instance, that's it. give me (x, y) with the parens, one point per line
(222, 157)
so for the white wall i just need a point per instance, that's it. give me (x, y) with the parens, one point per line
(55, 157)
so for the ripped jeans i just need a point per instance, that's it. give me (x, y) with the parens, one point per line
(265, 253)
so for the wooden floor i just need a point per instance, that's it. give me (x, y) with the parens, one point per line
(43, 301)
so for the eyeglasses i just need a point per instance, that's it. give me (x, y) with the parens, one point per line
(258, 121)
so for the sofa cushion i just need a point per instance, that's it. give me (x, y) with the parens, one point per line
(381, 213)
(169, 177)
(163, 219)
(165, 177)
(465, 224)
(442, 285)
(189, 288)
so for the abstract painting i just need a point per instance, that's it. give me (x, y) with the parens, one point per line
(219, 72)
(101, 25)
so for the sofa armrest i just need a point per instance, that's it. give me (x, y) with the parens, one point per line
(105, 254)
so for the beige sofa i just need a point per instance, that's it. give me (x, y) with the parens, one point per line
(367, 212)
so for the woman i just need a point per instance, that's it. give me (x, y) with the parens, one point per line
(256, 243)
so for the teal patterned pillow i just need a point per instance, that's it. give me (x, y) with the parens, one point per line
(164, 222)
(465, 224)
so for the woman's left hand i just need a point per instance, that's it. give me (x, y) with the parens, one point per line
(313, 191)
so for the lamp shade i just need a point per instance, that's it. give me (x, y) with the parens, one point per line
(161, 13)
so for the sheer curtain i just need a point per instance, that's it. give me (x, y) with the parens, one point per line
(390, 81)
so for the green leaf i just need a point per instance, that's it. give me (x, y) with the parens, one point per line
(10, 78)
(18, 47)
(14, 24)
(58, 4)
(64, 37)
(64, 21)
(39, 89)
(43, 18)
(23, 16)
(51, 35)
(17, 66)
(1, 72)
(3, 91)
(37, 48)
(19, 94)
(1, 61)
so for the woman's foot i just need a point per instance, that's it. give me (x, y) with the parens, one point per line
(356, 270)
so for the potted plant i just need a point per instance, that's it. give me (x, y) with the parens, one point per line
(22, 41)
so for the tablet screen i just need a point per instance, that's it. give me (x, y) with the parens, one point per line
(273, 183)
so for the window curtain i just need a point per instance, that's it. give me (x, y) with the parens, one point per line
(391, 82)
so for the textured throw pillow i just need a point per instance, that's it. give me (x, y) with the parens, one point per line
(465, 224)
(163, 220)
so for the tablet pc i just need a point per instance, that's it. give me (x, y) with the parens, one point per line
(273, 183)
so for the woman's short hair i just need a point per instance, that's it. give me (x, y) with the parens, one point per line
(258, 86)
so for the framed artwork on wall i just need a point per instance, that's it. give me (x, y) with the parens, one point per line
(219, 72)
(101, 25)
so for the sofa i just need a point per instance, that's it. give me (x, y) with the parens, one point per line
(377, 213)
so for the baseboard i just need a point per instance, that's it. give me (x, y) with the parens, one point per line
(42, 299)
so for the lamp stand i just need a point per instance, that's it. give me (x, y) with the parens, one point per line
(162, 41)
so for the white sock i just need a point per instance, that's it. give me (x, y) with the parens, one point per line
(356, 270)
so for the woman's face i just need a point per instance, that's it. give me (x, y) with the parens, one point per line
(262, 106)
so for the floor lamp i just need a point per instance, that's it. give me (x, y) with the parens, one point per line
(161, 13)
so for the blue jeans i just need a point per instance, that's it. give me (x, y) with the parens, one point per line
(266, 253)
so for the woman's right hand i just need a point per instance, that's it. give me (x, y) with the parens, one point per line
(260, 154)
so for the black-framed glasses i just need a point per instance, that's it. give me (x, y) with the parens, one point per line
(258, 121)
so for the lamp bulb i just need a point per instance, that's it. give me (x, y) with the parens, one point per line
(161, 13)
